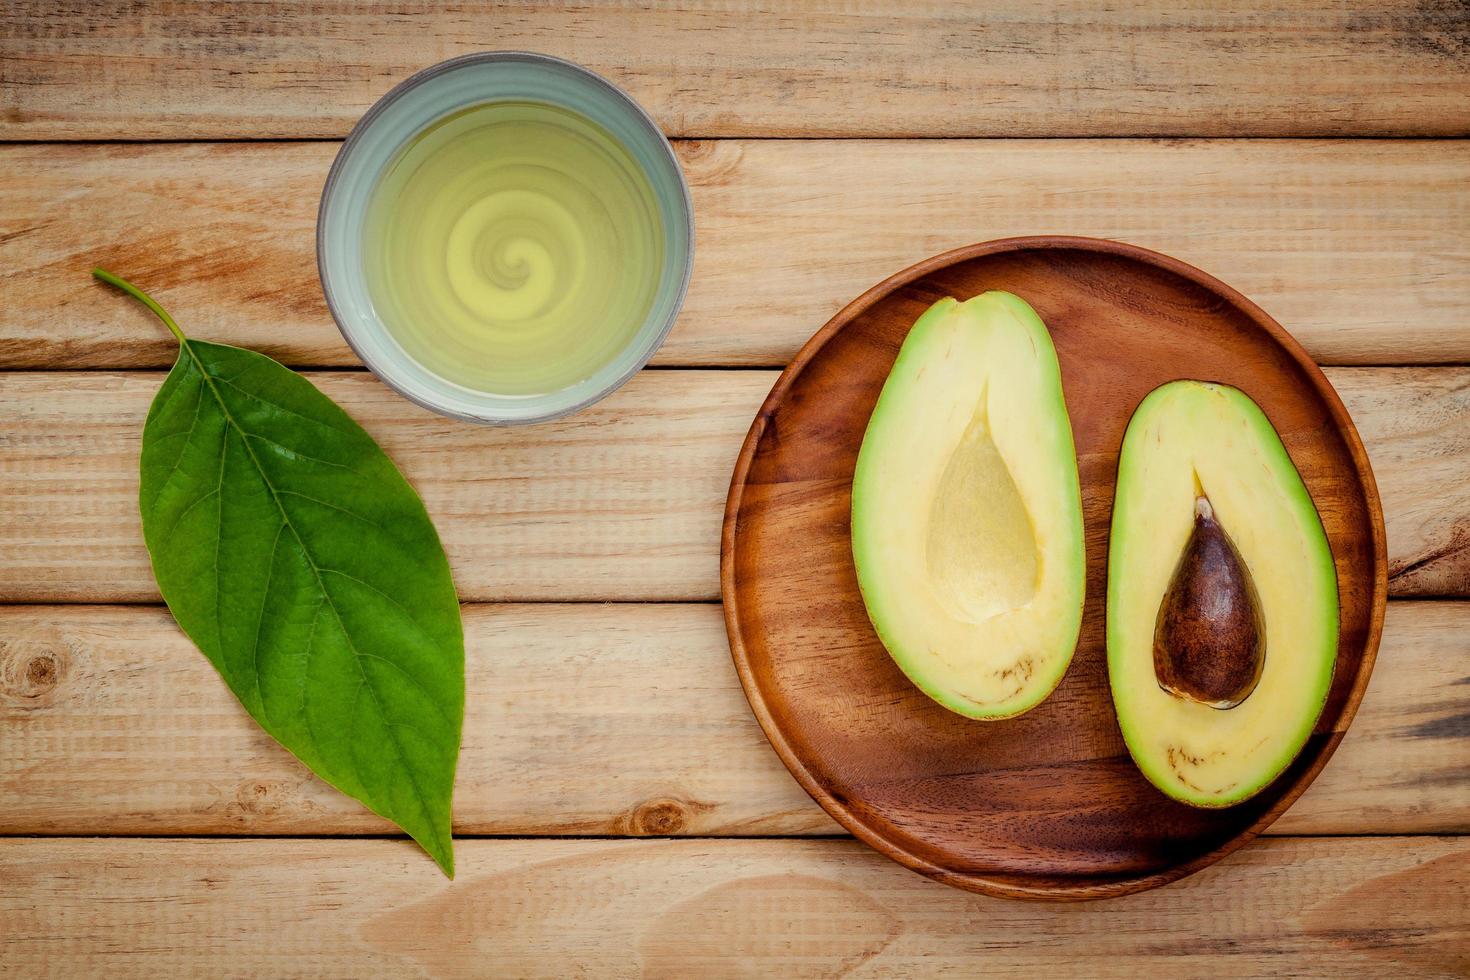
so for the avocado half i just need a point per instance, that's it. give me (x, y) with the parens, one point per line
(1222, 597)
(966, 510)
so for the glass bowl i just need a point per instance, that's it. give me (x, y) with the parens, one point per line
(413, 105)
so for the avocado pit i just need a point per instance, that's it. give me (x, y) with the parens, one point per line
(1209, 640)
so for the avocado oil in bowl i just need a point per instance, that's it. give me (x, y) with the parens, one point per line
(505, 238)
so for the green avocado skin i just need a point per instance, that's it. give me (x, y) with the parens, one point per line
(1295, 698)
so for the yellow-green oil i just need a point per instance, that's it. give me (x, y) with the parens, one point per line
(513, 247)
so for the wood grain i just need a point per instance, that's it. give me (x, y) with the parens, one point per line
(707, 68)
(619, 502)
(1361, 249)
(1430, 550)
(1373, 907)
(581, 719)
(1047, 804)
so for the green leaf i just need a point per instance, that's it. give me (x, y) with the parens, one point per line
(301, 562)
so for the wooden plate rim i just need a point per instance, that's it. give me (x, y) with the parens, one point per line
(729, 591)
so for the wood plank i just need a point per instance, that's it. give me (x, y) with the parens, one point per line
(123, 908)
(708, 68)
(1360, 248)
(1413, 425)
(622, 501)
(581, 719)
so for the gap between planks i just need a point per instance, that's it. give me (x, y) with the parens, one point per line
(837, 140)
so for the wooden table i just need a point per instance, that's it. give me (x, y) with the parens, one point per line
(619, 810)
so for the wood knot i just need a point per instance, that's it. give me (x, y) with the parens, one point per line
(664, 817)
(657, 818)
(693, 151)
(41, 673)
(257, 796)
(31, 670)
(708, 163)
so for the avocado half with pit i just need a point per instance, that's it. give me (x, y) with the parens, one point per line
(1222, 597)
(966, 511)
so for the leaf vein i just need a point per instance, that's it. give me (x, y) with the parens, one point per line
(265, 594)
(343, 510)
(298, 453)
(267, 402)
(219, 535)
(173, 525)
(413, 779)
(368, 585)
(316, 616)
(416, 682)
(175, 468)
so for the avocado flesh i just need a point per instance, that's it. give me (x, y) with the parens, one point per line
(1187, 440)
(966, 511)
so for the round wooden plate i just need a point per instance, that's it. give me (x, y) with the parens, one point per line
(1046, 805)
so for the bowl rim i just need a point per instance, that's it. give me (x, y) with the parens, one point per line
(424, 75)
(841, 810)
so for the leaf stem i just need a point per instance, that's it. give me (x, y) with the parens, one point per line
(143, 298)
